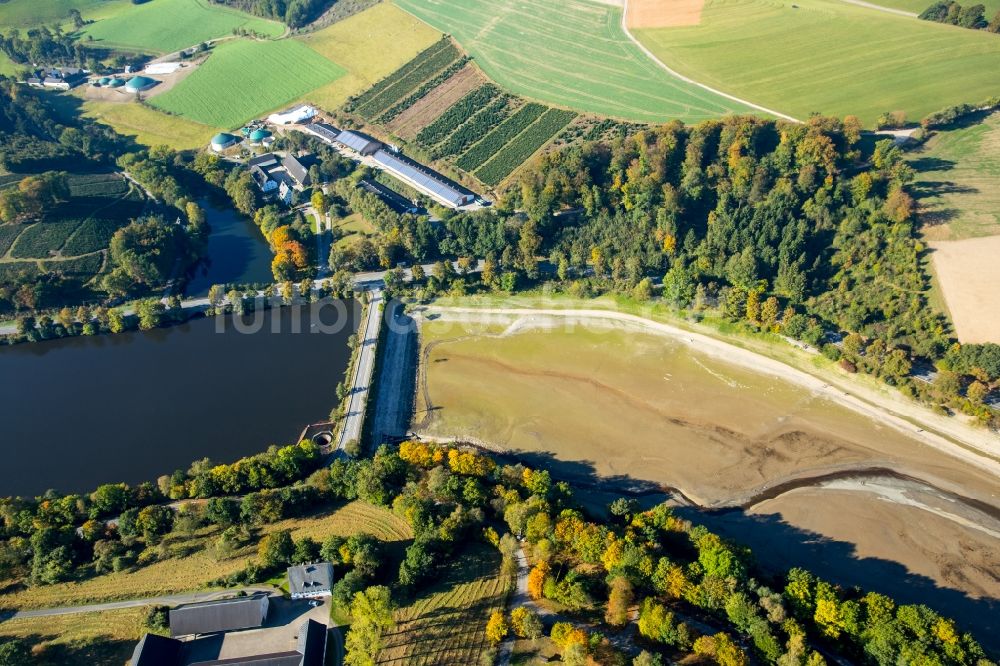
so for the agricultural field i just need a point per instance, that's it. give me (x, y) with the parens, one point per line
(830, 56)
(968, 273)
(418, 116)
(569, 53)
(190, 563)
(523, 146)
(150, 127)
(27, 13)
(73, 238)
(369, 45)
(233, 86)
(958, 181)
(80, 639)
(446, 624)
(164, 26)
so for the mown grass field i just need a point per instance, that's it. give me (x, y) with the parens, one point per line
(245, 79)
(958, 181)
(170, 25)
(27, 13)
(369, 46)
(801, 56)
(446, 624)
(150, 127)
(80, 640)
(192, 565)
(569, 53)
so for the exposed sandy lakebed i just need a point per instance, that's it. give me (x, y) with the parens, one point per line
(606, 399)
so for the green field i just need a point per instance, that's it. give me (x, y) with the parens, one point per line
(801, 56)
(244, 79)
(148, 126)
(171, 25)
(369, 45)
(569, 53)
(958, 181)
(80, 639)
(27, 13)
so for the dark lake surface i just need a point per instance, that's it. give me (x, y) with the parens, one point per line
(237, 251)
(80, 412)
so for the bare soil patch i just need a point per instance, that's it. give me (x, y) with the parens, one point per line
(120, 95)
(663, 13)
(436, 102)
(969, 273)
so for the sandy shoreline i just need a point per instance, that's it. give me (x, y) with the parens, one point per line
(971, 445)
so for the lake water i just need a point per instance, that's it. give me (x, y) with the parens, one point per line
(237, 251)
(83, 411)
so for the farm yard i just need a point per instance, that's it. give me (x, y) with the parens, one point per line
(369, 45)
(244, 79)
(569, 53)
(74, 238)
(149, 126)
(164, 26)
(830, 56)
(447, 623)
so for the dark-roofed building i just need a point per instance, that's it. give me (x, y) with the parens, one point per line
(310, 650)
(264, 161)
(154, 650)
(307, 581)
(358, 142)
(424, 180)
(296, 170)
(263, 180)
(324, 131)
(391, 197)
(60, 78)
(211, 617)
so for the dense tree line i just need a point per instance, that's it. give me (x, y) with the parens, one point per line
(968, 16)
(296, 13)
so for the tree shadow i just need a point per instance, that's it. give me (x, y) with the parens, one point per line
(924, 164)
(84, 652)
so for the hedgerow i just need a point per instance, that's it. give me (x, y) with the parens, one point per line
(521, 148)
(423, 90)
(500, 135)
(458, 113)
(405, 80)
(477, 127)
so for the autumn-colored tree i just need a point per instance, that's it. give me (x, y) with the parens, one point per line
(497, 628)
(619, 600)
(525, 623)
(536, 579)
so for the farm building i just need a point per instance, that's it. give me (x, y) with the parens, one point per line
(292, 116)
(212, 617)
(308, 649)
(140, 83)
(424, 180)
(259, 136)
(360, 143)
(307, 581)
(392, 198)
(162, 68)
(57, 78)
(284, 174)
(223, 141)
(324, 131)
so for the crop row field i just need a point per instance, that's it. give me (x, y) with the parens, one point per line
(244, 79)
(164, 26)
(569, 53)
(401, 85)
(830, 56)
(523, 146)
(447, 623)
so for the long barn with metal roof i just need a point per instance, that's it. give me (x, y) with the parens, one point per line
(423, 179)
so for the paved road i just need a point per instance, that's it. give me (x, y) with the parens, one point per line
(362, 378)
(168, 599)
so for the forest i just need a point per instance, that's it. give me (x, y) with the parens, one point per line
(697, 593)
